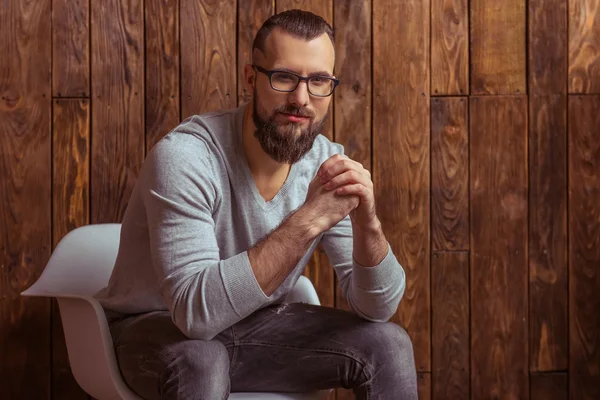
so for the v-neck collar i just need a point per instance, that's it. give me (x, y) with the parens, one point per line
(248, 179)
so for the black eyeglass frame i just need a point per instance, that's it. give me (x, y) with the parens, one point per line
(301, 78)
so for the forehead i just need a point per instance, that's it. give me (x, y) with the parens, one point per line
(286, 51)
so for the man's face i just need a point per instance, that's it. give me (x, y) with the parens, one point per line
(288, 122)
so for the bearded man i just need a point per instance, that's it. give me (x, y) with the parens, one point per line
(226, 213)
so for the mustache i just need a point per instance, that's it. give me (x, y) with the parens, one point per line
(299, 111)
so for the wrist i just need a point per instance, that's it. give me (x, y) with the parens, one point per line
(372, 227)
(369, 244)
(305, 221)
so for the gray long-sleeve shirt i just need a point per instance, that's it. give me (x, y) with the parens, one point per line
(194, 213)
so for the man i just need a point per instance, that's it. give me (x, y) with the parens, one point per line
(224, 217)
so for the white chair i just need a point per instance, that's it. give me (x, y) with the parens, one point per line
(81, 265)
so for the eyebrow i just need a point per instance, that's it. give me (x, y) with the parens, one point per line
(318, 73)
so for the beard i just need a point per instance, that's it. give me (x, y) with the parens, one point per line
(280, 141)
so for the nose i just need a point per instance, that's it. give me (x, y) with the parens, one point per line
(300, 96)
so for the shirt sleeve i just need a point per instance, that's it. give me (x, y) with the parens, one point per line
(373, 292)
(205, 294)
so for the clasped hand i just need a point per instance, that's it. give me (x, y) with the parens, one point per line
(351, 186)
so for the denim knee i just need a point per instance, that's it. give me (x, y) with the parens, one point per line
(382, 344)
(394, 343)
(195, 369)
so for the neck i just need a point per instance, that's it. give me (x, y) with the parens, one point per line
(262, 166)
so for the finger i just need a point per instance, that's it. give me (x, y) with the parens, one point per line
(356, 189)
(329, 162)
(340, 167)
(349, 177)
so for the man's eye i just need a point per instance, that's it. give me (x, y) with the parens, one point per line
(317, 80)
(285, 77)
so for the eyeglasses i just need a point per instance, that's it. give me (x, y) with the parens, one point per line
(284, 81)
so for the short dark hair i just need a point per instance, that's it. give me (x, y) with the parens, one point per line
(301, 24)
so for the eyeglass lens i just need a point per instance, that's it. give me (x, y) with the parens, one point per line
(287, 82)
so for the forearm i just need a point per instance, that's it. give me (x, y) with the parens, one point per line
(274, 257)
(373, 291)
(369, 244)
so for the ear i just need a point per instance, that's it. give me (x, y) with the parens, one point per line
(249, 78)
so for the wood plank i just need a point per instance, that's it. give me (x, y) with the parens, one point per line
(549, 386)
(498, 170)
(323, 8)
(547, 53)
(117, 147)
(352, 110)
(70, 210)
(449, 47)
(162, 69)
(70, 48)
(449, 173)
(352, 100)
(401, 158)
(450, 325)
(498, 47)
(25, 196)
(424, 385)
(584, 46)
(320, 273)
(584, 247)
(352, 105)
(208, 70)
(548, 273)
(251, 15)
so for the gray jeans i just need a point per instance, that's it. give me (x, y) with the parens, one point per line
(281, 348)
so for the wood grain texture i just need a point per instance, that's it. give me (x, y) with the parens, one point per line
(547, 50)
(498, 47)
(584, 46)
(162, 68)
(251, 15)
(450, 325)
(208, 68)
(323, 8)
(424, 385)
(352, 110)
(25, 196)
(450, 173)
(584, 247)
(70, 210)
(352, 107)
(549, 386)
(117, 143)
(449, 47)
(401, 159)
(498, 170)
(320, 273)
(548, 269)
(70, 48)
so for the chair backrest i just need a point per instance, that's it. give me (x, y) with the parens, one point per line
(81, 264)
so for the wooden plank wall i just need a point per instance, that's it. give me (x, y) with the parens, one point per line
(480, 123)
